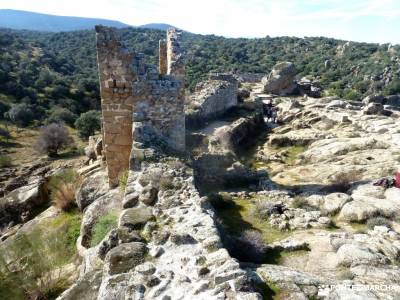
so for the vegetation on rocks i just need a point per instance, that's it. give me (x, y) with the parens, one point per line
(33, 263)
(103, 225)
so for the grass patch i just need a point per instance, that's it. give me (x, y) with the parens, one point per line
(239, 217)
(359, 227)
(5, 161)
(30, 262)
(123, 181)
(103, 225)
(293, 153)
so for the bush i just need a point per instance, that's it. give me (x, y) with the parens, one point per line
(342, 182)
(61, 115)
(378, 221)
(103, 225)
(300, 202)
(21, 114)
(62, 188)
(88, 123)
(53, 138)
(5, 161)
(261, 209)
(249, 247)
(5, 134)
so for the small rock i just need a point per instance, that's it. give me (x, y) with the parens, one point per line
(157, 251)
(125, 257)
(130, 200)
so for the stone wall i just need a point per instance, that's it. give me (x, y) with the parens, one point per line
(133, 92)
(249, 77)
(212, 98)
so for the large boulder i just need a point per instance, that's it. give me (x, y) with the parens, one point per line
(281, 79)
(92, 188)
(125, 257)
(135, 217)
(20, 204)
(86, 288)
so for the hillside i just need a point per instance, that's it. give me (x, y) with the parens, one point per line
(18, 19)
(59, 69)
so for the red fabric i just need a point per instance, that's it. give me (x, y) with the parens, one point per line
(397, 180)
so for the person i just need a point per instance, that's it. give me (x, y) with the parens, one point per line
(397, 179)
(274, 114)
(388, 182)
(268, 109)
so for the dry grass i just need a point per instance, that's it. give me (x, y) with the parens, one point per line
(62, 189)
(64, 197)
(342, 181)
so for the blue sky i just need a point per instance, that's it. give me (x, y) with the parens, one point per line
(358, 20)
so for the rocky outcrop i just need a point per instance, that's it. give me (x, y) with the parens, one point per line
(168, 250)
(281, 79)
(20, 205)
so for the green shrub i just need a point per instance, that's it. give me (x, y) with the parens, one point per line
(103, 225)
(5, 161)
(123, 180)
(21, 114)
(5, 134)
(299, 202)
(61, 115)
(378, 221)
(88, 123)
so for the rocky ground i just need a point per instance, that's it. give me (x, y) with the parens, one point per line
(305, 204)
(322, 161)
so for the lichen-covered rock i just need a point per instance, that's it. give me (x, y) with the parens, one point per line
(125, 257)
(92, 188)
(148, 195)
(86, 288)
(135, 217)
(19, 205)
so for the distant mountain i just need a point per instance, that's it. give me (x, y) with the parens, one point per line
(18, 19)
(159, 26)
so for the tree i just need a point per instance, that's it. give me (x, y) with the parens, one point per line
(53, 138)
(20, 114)
(88, 123)
(5, 134)
(61, 115)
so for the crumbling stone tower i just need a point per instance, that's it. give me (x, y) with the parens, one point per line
(134, 95)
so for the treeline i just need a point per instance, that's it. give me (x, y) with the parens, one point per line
(54, 75)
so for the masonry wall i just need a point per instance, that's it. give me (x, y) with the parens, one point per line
(133, 92)
(212, 98)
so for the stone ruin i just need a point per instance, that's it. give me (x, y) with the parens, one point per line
(139, 103)
(212, 98)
